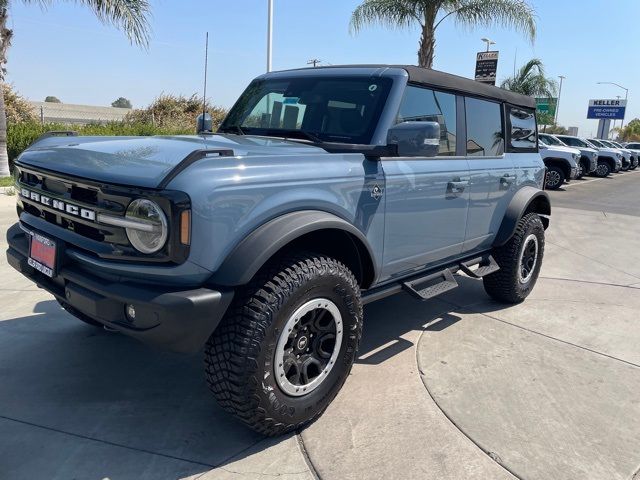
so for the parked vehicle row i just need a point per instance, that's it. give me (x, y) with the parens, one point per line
(568, 158)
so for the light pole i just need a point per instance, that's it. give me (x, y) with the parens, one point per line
(488, 42)
(555, 119)
(269, 35)
(626, 94)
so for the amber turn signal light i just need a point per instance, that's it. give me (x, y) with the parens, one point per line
(185, 227)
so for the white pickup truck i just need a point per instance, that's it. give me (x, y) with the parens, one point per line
(561, 161)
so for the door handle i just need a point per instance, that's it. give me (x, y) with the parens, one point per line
(456, 187)
(506, 181)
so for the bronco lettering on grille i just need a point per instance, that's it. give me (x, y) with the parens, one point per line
(58, 204)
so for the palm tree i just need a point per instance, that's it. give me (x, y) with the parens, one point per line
(131, 16)
(530, 80)
(429, 14)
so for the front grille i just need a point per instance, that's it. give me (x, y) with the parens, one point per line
(88, 199)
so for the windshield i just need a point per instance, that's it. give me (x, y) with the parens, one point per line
(596, 143)
(321, 109)
(616, 144)
(549, 140)
(608, 144)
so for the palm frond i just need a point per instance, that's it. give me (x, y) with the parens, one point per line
(517, 14)
(389, 13)
(530, 80)
(130, 16)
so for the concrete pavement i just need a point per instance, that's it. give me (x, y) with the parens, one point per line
(455, 388)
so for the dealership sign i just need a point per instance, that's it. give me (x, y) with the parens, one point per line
(607, 109)
(486, 67)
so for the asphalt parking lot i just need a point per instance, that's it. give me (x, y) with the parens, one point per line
(458, 387)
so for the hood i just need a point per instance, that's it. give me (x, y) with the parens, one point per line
(143, 161)
(559, 148)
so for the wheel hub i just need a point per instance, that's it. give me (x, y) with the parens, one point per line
(553, 178)
(528, 258)
(308, 347)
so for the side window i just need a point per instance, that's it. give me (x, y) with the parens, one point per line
(484, 128)
(426, 105)
(523, 129)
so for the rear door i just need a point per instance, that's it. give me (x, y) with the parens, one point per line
(493, 174)
(427, 198)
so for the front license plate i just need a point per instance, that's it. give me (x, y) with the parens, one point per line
(42, 254)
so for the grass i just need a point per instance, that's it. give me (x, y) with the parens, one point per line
(6, 181)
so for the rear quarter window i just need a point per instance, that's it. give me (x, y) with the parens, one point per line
(522, 130)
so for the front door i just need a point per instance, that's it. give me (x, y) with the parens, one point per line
(426, 198)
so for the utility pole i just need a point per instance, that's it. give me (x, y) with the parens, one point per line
(555, 119)
(314, 62)
(269, 35)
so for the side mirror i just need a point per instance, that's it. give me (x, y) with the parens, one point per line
(415, 139)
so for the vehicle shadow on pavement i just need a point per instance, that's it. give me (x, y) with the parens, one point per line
(81, 402)
(389, 322)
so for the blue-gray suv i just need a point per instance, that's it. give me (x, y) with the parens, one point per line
(324, 189)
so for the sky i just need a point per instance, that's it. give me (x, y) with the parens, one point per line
(66, 52)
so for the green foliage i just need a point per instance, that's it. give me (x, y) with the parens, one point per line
(531, 80)
(630, 132)
(176, 112)
(52, 99)
(21, 135)
(429, 14)
(16, 107)
(121, 102)
(544, 118)
(6, 182)
(556, 129)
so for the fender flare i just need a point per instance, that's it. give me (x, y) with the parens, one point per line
(527, 199)
(244, 261)
(561, 162)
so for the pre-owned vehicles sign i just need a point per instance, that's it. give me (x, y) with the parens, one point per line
(607, 109)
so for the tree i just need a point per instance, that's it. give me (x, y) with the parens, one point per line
(630, 132)
(130, 16)
(429, 14)
(122, 102)
(52, 99)
(18, 110)
(530, 80)
(176, 112)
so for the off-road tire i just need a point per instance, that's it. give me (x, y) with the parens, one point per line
(79, 315)
(240, 354)
(505, 285)
(561, 178)
(602, 170)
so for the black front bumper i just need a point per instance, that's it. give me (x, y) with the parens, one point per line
(176, 319)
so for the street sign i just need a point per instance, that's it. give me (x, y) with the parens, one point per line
(607, 109)
(486, 67)
(546, 105)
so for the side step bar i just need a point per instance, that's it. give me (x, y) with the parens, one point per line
(432, 285)
(436, 282)
(486, 265)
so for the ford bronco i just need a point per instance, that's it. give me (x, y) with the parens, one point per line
(324, 189)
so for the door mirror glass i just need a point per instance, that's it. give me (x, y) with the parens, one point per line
(415, 139)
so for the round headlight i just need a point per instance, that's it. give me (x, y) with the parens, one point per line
(148, 231)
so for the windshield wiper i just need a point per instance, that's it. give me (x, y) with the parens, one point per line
(286, 134)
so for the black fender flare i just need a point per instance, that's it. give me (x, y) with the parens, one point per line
(244, 261)
(560, 162)
(527, 199)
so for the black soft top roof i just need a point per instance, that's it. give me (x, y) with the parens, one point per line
(448, 81)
